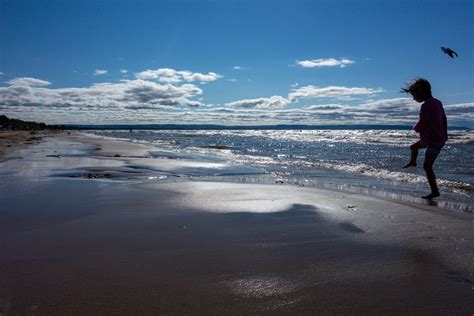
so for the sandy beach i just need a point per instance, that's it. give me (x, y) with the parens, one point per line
(90, 226)
(15, 140)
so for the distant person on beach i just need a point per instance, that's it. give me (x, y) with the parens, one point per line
(432, 127)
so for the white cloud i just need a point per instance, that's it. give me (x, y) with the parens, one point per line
(396, 106)
(169, 75)
(123, 71)
(271, 102)
(100, 72)
(149, 107)
(1, 73)
(237, 67)
(126, 94)
(330, 62)
(307, 92)
(392, 111)
(311, 92)
(30, 82)
(327, 107)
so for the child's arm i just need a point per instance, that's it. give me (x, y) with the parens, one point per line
(422, 124)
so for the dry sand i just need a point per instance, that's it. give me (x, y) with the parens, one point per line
(123, 242)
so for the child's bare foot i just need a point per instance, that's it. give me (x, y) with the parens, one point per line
(431, 196)
(410, 164)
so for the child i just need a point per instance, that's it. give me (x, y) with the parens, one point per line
(432, 127)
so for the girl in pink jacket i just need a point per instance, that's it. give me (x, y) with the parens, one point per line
(432, 127)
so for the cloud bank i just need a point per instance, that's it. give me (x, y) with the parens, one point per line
(306, 92)
(386, 111)
(26, 92)
(140, 101)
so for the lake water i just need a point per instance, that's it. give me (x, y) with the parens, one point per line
(352, 160)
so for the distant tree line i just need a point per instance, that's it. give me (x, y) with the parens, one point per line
(19, 125)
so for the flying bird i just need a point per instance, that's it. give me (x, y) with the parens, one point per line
(449, 51)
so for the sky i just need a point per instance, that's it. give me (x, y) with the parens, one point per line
(227, 62)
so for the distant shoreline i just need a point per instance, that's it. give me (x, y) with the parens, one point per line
(11, 124)
(239, 127)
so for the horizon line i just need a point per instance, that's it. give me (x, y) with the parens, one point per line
(241, 127)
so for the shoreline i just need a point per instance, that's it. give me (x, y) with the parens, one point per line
(123, 243)
(381, 182)
(11, 141)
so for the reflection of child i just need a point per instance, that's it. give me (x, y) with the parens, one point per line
(432, 127)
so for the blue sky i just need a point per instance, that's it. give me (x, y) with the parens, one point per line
(233, 62)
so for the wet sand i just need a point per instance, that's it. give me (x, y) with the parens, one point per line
(147, 237)
(15, 140)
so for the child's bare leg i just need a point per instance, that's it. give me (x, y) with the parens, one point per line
(414, 155)
(428, 166)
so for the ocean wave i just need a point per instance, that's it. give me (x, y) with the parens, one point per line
(226, 150)
(390, 175)
(395, 138)
(398, 138)
(363, 169)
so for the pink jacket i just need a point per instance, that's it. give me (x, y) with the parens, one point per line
(432, 125)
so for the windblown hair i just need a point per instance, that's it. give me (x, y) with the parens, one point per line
(418, 86)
